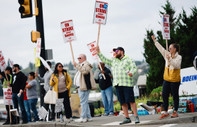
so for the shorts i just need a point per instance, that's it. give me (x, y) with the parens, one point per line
(125, 94)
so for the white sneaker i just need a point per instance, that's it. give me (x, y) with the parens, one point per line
(68, 120)
(89, 119)
(81, 120)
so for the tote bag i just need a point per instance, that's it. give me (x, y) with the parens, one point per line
(50, 97)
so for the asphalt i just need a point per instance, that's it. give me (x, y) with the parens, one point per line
(112, 121)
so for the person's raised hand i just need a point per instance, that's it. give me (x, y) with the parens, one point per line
(153, 37)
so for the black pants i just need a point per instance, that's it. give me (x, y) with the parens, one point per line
(173, 88)
(8, 114)
(52, 112)
(66, 102)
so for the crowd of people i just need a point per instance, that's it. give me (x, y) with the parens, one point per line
(25, 96)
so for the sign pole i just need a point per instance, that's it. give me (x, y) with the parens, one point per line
(99, 29)
(166, 44)
(71, 50)
(101, 69)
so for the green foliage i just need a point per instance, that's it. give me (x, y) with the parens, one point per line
(156, 94)
(183, 31)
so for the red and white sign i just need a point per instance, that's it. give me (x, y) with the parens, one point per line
(166, 27)
(68, 31)
(38, 47)
(100, 12)
(92, 49)
(2, 62)
(7, 95)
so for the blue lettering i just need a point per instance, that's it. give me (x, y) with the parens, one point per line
(189, 78)
(183, 79)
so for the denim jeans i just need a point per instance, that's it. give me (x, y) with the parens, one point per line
(32, 105)
(107, 97)
(85, 109)
(27, 109)
(19, 101)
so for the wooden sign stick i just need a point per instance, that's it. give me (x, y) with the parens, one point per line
(71, 50)
(99, 29)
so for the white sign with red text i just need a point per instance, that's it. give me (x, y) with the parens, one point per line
(100, 12)
(2, 62)
(92, 49)
(166, 27)
(7, 95)
(68, 31)
(38, 47)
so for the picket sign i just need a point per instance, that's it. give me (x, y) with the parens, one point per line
(7, 96)
(92, 49)
(37, 51)
(100, 15)
(2, 62)
(68, 33)
(166, 28)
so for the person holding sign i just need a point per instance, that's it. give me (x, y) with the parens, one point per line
(106, 89)
(61, 81)
(6, 79)
(171, 76)
(84, 80)
(18, 85)
(46, 80)
(123, 69)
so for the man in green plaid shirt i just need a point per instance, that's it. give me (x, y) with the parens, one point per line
(123, 69)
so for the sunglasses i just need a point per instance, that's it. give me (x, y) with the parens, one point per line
(79, 58)
(60, 66)
(116, 51)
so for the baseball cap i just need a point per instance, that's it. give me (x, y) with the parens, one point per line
(118, 48)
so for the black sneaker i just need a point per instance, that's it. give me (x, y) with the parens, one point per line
(125, 121)
(6, 123)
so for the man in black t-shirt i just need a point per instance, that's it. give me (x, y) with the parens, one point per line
(18, 86)
(106, 89)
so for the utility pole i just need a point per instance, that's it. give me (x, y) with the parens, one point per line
(40, 28)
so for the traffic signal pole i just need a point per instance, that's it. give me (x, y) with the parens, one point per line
(40, 28)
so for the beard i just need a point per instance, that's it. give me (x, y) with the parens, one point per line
(118, 56)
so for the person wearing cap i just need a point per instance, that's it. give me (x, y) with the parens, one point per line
(123, 69)
(18, 86)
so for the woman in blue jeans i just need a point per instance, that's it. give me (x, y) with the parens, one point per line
(106, 89)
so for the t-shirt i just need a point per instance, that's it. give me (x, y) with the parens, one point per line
(61, 84)
(32, 91)
(19, 82)
(104, 84)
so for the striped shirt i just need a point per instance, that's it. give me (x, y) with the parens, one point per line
(120, 69)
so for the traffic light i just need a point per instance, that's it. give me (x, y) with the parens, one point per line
(25, 8)
(34, 36)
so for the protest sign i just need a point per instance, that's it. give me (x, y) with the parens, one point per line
(38, 47)
(14, 112)
(37, 60)
(68, 31)
(92, 49)
(2, 62)
(166, 27)
(7, 96)
(100, 12)
(42, 113)
(46, 64)
(59, 105)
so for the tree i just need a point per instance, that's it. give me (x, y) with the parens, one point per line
(152, 55)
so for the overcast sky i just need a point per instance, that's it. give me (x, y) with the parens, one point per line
(126, 26)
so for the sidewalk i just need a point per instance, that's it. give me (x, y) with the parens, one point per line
(115, 120)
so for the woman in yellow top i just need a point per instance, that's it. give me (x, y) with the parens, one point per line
(171, 76)
(62, 82)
